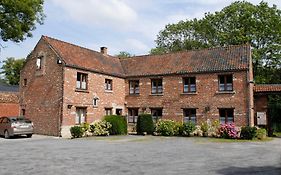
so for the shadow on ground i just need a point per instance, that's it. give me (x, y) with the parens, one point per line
(252, 170)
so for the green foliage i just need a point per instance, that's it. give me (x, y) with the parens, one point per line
(239, 23)
(188, 128)
(167, 128)
(145, 124)
(100, 128)
(261, 133)
(124, 54)
(85, 126)
(11, 69)
(76, 131)
(18, 18)
(119, 124)
(248, 132)
(204, 128)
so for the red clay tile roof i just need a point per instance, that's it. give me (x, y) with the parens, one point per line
(84, 58)
(230, 58)
(195, 61)
(260, 88)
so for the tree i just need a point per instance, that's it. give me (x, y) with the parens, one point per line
(238, 23)
(124, 54)
(18, 18)
(11, 70)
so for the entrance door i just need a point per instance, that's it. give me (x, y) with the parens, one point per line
(80, 115)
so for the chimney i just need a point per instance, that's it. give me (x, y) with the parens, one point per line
(103, 50)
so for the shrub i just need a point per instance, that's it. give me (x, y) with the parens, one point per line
(188, 128)
(100, 128)
(204, 128)
(166, 127)
(228, 131)
(119, 124)
(197, 131)
(86, 128)
(248, 132)
(261, 133)
(145, 124)
(76, 131)
(213, 129)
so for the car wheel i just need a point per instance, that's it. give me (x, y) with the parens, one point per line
(6, 135)
(29, 135)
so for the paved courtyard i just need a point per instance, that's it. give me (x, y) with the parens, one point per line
(138, 155)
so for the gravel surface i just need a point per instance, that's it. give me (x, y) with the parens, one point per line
(138, 155)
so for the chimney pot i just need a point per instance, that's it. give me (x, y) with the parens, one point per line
(103, 50)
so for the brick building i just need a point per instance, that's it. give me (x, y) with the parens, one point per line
(63, 84)
(9, 100)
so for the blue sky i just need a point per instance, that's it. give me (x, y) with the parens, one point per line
(120, 25)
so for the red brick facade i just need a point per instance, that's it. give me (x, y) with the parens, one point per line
(9, 104)
(51, 99)
(207, 100)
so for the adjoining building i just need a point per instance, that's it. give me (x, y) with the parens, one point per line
(64, 84)
(9, 100)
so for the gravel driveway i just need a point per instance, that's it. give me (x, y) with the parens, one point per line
(138, 155)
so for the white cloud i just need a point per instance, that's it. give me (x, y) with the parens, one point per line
(98, 12)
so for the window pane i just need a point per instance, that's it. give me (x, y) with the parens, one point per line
(78, 84)
(136, 119)
(192, 80)
(221, 79)
(137, 90)
(131, 90)
(153, 90)
(192, 88)
(185, 88)
(130, 119)
(222, 87)
(83, 85)
(229, 86)
(230, 119)
(229, 79)
(160, 89)
(222, 120)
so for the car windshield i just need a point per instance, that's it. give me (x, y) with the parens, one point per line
(22, 120)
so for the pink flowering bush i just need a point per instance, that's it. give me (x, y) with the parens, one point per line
(228, 131)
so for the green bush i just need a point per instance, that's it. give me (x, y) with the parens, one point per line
(100, 128)
(261, 134)
(76, 131)
(119, 124)
(248, 132)
(166, 127)
(145, 124)
(188, 128)
(85, 126)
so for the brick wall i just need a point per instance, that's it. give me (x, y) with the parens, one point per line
(9, 104)
(206, 100)
(42, 96)
(107, 99)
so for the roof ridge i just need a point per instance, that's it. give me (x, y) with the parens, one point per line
(75, 45)
(192, 50)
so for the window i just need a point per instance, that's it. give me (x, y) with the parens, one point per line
(189, 84)
(189, 115)
(226, 115)
(23, 112)
(156, 114)
(25, 82)
(156, 86)
(108, 84)
(95, 101)
(225, 83)
(108, 111)
(39, 62)
(118, 111)
(80, 115)
(81, 82)
(134, 87)
(133, 115)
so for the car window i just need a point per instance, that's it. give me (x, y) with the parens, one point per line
(5, 120)
(1, 120)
